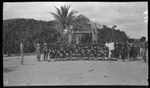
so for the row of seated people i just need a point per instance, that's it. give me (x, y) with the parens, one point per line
(85, 51)
(89, 51)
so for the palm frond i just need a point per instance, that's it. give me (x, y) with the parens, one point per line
(59, 13)
(57, 17)
(71, 14)
(65, 11)
(63, 15)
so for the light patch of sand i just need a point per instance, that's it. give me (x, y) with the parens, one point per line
(74, 72)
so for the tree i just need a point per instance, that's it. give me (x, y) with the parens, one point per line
(81, 23)
(105, 35)
(64, 16)
(26, 33)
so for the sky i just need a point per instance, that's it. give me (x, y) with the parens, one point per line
(131, 17)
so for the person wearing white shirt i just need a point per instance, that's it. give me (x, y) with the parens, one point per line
(110, 47)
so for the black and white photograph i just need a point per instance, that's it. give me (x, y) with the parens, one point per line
(75, 43)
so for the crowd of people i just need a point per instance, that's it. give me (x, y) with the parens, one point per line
(87, 51)
(120, 51)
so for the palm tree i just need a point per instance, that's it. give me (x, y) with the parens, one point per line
(64, 16)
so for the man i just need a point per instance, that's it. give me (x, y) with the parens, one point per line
(82, 52)
(45, 51)
(110, 48)
(38, 52)
(52, 54)
(124, 51)
(61, 53)
(88, 53)
(95, 53)
(144, 51)
(49, 54)
(92, 53)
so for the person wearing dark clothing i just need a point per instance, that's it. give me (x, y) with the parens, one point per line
(116, 50)
(88, 53)
(62, 53)
(52, 54)
(144, 51)
(38, 52)
(82, 53)
(49, 54)
(95, 53)
(45, 51)
(124, 51)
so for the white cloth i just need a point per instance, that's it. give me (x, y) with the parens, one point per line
(110, 45)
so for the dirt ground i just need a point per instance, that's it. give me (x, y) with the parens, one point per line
(73, 72)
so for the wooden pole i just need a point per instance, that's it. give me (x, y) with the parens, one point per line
(128, 54)
(21, 52)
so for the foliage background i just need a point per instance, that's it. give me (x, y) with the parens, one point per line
(33, 31)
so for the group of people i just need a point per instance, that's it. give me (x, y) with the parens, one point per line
(125, 51)
(109, 50)
(88, 51)
(128, 51)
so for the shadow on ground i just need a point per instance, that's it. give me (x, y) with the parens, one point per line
(9, 69)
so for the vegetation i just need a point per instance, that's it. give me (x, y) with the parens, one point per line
(64, 16)
(107, 34)
(32, 31)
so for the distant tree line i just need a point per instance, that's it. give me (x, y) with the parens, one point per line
(29, 31)
(34, 31)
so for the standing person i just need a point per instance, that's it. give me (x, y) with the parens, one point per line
(52, 54)
(110, 48)
(95, 53)
(144, 48)
(116, 50)
(82, 52)
(124, 51)
(49, 55)
(38, 52)
(45, 51)
(144, 52)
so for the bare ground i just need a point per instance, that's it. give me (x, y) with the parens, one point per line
(73, 72)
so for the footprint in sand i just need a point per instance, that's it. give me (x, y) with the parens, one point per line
(105, 76)
(91, 70)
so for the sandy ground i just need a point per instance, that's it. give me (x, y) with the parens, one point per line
(73, 72)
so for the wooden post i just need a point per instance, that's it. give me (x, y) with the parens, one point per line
(94, 32)
(21, 52)
(128, 51)
(70, 33)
